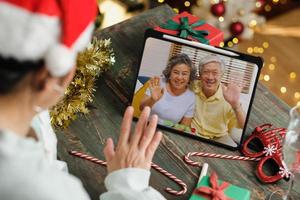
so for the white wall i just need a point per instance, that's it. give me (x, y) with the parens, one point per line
(155, 58)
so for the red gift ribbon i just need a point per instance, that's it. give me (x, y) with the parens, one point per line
(215, 192)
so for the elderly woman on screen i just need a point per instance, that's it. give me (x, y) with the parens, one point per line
(170, 97)
(39, 41)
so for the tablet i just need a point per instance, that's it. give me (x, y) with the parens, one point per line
(196, 90)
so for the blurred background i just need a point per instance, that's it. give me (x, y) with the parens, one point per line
(266, 28)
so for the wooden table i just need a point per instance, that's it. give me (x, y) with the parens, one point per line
(88, 133)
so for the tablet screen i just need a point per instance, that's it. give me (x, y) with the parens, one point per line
(195, 91)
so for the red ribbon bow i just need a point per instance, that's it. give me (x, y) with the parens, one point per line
(215, 192)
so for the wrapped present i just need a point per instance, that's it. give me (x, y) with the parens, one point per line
(190, 27)
(212, 188)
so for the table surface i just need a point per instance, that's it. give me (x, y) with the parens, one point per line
(88, 134)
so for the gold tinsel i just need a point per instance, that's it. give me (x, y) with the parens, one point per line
(94, 60)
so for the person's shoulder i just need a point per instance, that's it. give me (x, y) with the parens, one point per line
(190, 93)
(38, 180)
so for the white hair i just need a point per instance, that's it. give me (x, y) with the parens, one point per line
(212, 58)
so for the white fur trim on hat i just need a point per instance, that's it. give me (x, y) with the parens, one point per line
(33, 36)
(25, 35)
(60, 59)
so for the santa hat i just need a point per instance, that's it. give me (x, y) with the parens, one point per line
(52, 30)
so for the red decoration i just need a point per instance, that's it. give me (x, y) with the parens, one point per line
(236, 28)
(215, 36)
(270, 139)
(262, 2)
(193, 130)
(218, 9)
(216, 191)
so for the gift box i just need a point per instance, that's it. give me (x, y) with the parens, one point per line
(210, 186)
(191, 27)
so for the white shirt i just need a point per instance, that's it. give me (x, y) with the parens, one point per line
(173, 108)
(46, 136)
(26, 174)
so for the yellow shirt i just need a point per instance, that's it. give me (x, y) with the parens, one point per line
(214, 117)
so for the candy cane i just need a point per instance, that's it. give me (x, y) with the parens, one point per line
(87, 157)
(155, 166)
(214, 155)
(172, 177)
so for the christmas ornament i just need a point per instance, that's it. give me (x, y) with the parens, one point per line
(236, 28)
(218, 9)
(97, 58)
(242, 11)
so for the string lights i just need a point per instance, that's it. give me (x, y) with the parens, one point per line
(283, 90)
(266, 77)
(270, 68)
(258, 49)
(221, 18)
(187, 4)
(268, 7)
(293, 75)
(297, 95)
(222, 44)
(258, 4)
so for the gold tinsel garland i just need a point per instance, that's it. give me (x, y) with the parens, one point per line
(94, 60)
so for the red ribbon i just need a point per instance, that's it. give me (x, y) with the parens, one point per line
(215, 192)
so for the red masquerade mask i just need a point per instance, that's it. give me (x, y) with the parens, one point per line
(268, 142)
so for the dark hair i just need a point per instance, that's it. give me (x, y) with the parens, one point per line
(179, 59)
(13, 71)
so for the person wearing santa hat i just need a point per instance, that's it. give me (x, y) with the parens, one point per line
(39, 42)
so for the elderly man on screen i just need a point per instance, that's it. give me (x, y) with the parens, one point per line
(218, 108)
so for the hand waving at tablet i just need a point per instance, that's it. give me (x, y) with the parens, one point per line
(155, 88)
(136, 150)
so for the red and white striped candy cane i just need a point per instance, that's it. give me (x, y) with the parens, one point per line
(87, 157)
(214, 155)
(155, 166)
(172, 177)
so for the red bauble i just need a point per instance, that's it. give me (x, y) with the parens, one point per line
(236, 28)
(218, 9)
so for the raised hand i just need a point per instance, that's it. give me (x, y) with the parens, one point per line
(137, 150)
(231, 94)
(155, 88)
